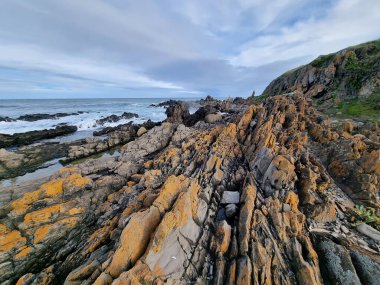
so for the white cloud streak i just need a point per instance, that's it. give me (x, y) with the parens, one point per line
(221, 47)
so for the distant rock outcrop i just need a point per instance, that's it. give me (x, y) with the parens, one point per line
(346, 82)
(32, 136)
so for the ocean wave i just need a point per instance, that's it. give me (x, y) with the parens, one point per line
(85, 121)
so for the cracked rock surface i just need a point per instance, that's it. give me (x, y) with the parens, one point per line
(247, 199)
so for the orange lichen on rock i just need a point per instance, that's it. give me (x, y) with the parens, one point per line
(245, 121)
(11, 240)
(3, 229)
(21, 205)
(100, 235)
(293, 200)
(169, 192)
(64, 170)
(52, 188)
(23, 252)
(65, 224)
(41, 216)
(76, 211)
(77, 181)
(183, 209)
(134, 240)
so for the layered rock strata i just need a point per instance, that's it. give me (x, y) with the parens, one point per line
(243, 200)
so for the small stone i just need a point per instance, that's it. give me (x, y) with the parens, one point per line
(286, 208)
(141, 131)
(362, 243)
(344, 229)
(230, 210)
(221, 215)
(230, 197)
(348, 126)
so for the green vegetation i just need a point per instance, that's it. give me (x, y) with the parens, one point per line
(362, 107)
(322, 60)
(257, 99)
(358, 70)
(368, 215)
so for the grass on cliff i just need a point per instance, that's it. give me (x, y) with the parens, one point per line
(362, 107)
(368, 215)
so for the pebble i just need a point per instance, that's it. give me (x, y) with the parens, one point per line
(230, 197)
(344, 229)
(286, 208)
(230, 210)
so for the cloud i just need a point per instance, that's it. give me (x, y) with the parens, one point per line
(347, 23)
(151, 48)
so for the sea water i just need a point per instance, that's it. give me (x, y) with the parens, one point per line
(93, 109)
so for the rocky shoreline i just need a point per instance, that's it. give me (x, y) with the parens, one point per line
(25, 153)
(236, 193)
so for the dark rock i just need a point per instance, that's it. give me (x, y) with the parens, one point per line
(367, 268)
(6, 119)
(336, 262)
(116, 118)
(177, 112)
(165, 103)
(33, 136)
(37, 117)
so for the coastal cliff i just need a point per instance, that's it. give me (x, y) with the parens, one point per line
(344, 84)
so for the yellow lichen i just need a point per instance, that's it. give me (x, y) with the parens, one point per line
(68, 169)
(21, 205)
(23, 252)
(53, 188)
(77, 180)
(42, 216)
(76, 211)
(184, 208)
(11, 240)
(169, 191)
(3, 229)
(44, 231)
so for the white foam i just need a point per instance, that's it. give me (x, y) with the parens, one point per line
(85, 121)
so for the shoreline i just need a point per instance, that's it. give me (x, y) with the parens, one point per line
(81, 145)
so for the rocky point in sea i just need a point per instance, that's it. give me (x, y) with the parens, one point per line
(262, 193)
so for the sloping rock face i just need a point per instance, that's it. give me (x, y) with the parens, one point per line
(350, 73)
(244, 202)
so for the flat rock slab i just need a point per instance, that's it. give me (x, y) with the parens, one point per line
(369, 231)
(230, 197)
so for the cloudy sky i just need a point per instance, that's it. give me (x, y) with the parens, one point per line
(168, 48)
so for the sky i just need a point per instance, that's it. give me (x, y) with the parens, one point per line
(169, 48)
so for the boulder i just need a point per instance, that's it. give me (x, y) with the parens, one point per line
(212, 118)
(230, 197)
(141, 131)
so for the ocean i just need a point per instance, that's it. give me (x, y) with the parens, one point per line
(93, 109)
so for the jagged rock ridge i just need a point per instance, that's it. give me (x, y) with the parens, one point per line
(245, 200)
(350, 76)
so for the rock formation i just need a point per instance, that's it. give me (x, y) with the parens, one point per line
(32, 136)
(249, 200)
(345, 82)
